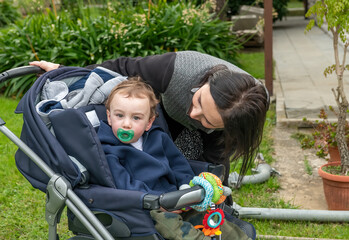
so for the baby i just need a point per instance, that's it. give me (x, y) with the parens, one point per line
(142, 157)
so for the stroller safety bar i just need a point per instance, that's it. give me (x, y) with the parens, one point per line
(174, 200)
(20, 71)
(182, 198)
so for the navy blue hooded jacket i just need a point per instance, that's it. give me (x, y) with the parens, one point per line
(159, 168)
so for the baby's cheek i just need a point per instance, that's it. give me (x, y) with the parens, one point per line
(138, 131)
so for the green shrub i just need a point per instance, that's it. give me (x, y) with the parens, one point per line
(122, 30)
(8, 13)
(28, 7)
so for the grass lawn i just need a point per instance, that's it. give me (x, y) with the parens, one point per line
(22, 213)
(295, 4)
(247, 61)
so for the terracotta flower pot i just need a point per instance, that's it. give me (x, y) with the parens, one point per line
(336, 189)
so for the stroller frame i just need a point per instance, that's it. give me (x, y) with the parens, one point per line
(59, 191)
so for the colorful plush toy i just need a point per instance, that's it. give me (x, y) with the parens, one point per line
(212, 222)
(218, 188)
(215, 194)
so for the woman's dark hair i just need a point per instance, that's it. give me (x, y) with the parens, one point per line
(242, 103)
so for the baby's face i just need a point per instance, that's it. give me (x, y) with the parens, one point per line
(129, 113)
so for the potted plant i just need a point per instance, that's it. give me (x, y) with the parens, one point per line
(336, 15)
(324, 137)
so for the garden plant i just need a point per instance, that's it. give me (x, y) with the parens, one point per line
(323, 137)
(8, 13)
(336, 14)
(92, 35)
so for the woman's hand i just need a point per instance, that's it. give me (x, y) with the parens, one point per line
(47, 66)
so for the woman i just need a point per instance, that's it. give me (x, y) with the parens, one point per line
(210, 103)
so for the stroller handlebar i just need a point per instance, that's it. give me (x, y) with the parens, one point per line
(175, 200)
(20, 71)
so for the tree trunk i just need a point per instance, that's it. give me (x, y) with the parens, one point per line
(341, 138)
(342, 104)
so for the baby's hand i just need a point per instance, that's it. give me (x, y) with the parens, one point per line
(47, 66)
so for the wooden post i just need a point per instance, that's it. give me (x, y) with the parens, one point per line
(305, 3)
(268, 45)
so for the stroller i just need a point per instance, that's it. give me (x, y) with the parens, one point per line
(60, 154)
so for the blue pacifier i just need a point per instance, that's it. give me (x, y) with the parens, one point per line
(125, 135)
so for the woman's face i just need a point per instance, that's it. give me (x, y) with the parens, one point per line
(204, 109)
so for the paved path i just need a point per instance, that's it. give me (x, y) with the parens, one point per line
(301, 89)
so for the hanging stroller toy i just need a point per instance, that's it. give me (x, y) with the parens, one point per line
(216, 194)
